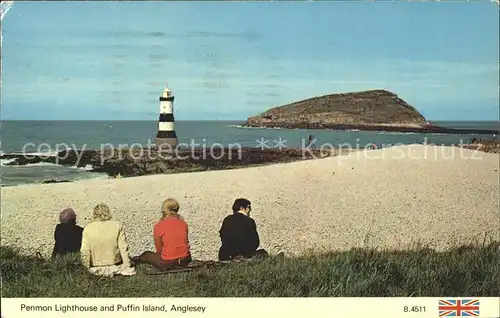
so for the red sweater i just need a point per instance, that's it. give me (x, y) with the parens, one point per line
(171, 238)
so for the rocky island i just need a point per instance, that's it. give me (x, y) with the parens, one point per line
(379, 110)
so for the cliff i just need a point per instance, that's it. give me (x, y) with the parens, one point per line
(351, 110)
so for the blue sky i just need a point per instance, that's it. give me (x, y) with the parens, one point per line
(232, 60)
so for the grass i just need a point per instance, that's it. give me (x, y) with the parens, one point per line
(463, 271)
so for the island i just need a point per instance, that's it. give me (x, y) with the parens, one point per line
(378, 110)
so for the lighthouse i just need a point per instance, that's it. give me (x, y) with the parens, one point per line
(166, 137)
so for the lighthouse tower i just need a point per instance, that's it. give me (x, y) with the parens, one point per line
(166, 137)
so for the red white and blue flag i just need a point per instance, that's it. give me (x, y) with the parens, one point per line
(459, 308)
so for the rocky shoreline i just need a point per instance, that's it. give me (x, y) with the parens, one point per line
(424, 129)
(56, 181)
(491, 146)
(138, 162)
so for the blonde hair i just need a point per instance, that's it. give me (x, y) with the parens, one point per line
(101, 212)
(170, 207)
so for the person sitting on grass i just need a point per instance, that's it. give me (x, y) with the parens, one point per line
(104, 248)
(67, 235)
(239, 235)
(171, 240)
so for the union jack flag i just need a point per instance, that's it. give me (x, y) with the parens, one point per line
(459, 308)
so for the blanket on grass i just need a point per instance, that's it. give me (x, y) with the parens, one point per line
(197, 265)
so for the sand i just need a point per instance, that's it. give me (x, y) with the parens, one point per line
(392, 198)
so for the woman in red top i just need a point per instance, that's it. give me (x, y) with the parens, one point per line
(171, 240)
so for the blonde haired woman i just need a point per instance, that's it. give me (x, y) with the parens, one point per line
(171, 240)
(104, 248)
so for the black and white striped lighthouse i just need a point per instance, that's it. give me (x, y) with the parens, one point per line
(166, 136)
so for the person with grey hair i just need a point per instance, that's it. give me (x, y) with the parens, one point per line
(67, 235)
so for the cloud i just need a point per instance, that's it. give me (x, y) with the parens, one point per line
(130, 34)
(158, 57)
(247, 36)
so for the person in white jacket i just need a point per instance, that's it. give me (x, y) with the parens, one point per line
(104, 249)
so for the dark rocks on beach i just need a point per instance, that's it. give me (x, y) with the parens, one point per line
(197, 160)
(492, 146)
(137, 162)
(56, 181)
(21, 160)
(65, 157)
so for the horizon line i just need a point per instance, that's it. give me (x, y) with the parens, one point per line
(221, 120)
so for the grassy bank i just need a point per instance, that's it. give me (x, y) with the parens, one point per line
(464, 271)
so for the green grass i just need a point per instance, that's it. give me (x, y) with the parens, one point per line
(464, 271)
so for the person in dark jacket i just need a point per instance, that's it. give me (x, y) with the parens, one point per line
(239, 234)
(67, 235)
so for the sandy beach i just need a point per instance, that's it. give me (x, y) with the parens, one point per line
(390, 198)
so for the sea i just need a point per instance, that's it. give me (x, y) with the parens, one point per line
(49, 137)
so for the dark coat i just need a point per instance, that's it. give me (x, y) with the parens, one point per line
(68, 239)
(239, 237)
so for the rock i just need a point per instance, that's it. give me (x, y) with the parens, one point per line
(157, 163)
(365, 110)
(491, 146)
(366, 107)
(55, 181)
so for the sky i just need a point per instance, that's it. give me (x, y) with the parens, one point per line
(231, 60)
